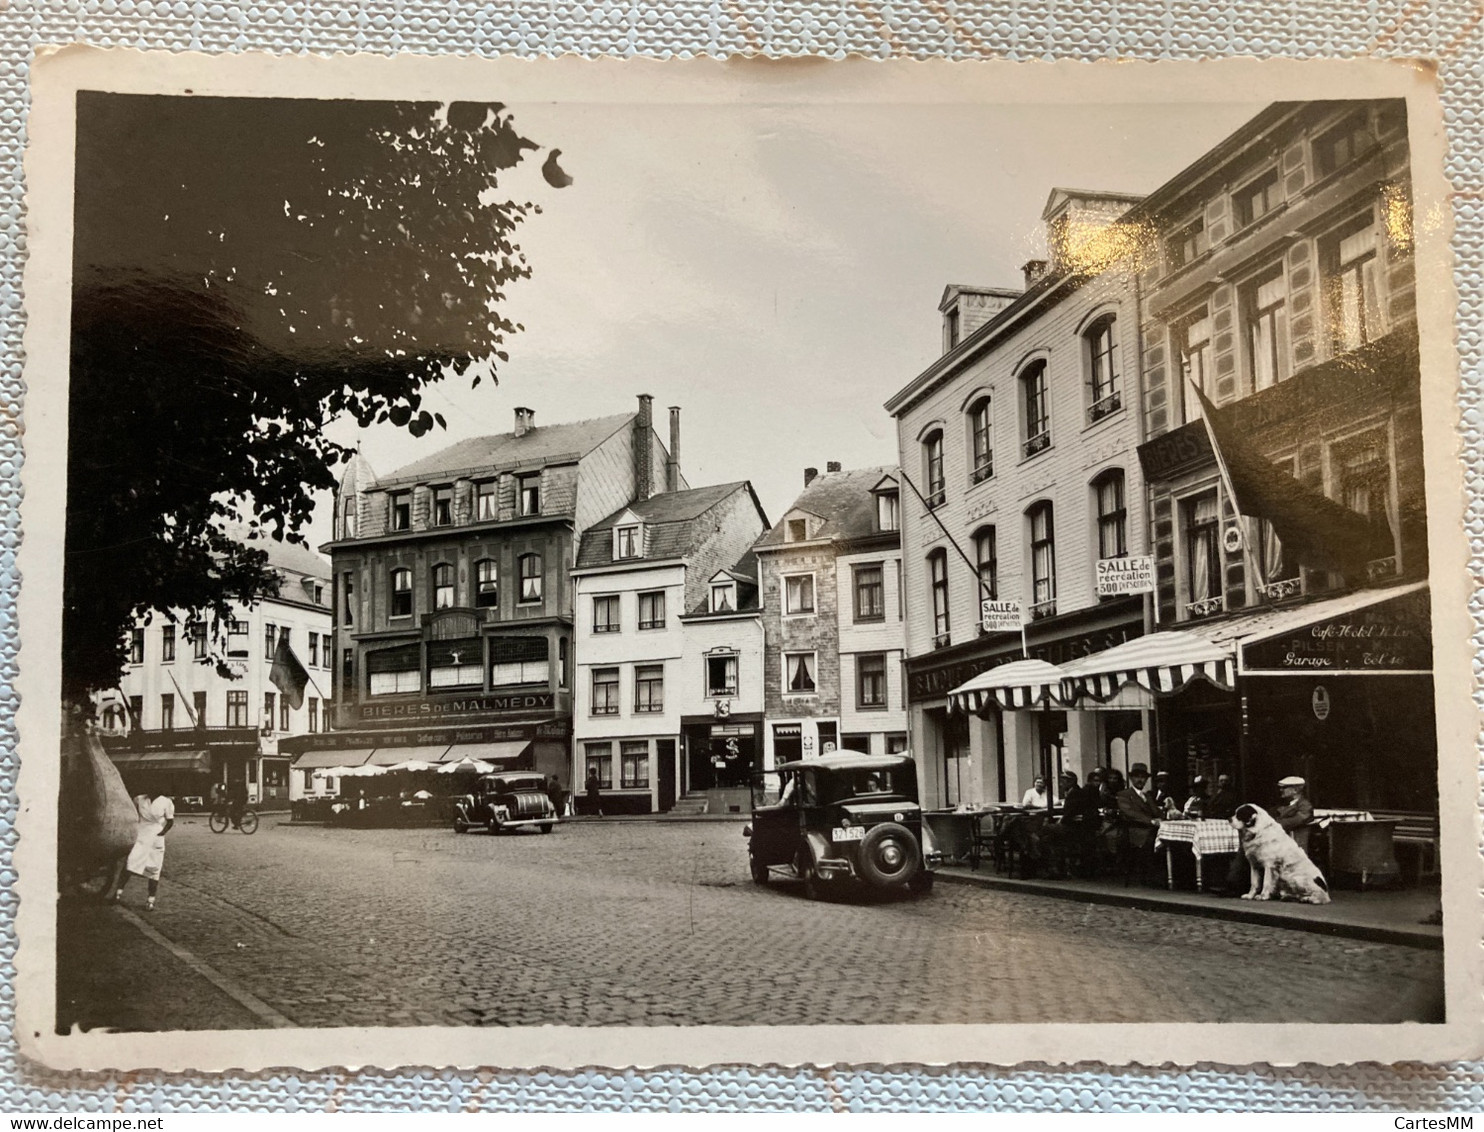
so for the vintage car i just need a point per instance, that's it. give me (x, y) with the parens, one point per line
(843, 818)
(513, 800)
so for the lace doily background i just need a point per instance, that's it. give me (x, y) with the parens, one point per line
(1446, 30)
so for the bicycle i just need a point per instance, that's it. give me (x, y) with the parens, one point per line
(220, 820)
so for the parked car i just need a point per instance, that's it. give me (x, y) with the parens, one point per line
(513, 800)
(841, 819)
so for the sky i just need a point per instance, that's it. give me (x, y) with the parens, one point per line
(775, 270)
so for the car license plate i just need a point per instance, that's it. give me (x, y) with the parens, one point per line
(848, 833)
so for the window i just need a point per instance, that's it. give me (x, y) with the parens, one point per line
(798, 593)
(516, 661)
(237, 708)
(635, 768)
(443, 586)
(1187, 243)
(1102, 369)
(1351, 291)
(1256, 199)
(348, 667)
(1033, 406)
(313, 650)
(283, 637)
(443, 506)
(487, 583)
(319, 594)
(605, 614)
(198, 702)
(455, 664)
(348, 592)
(1112, 515)
(887, 516)
(652, 610)
(136, 646)
(530, 494)
(649, 688)
(1265, 322)
(485, 500)
(721, 675)
(167, 712)
(313, 715)
(723, 597)
(626, 542)
(870, 680)
(284, 708)
(401, 592)
(1043, 559)
(167, 643)
(1201, 521)
(1336, 148)
(1192, 343)
(1362, 472)
(950, 329)
(937, 563)
(399, 516)
(869, 592)
(530, 578)
(986, 562)
(605, 691)
(932, 468)
(269, 703)
(561, 662)
(237, 638)
(599, 758)
(796, 531)
(395, 671)
(136, 712)
(197, 632)
(798, 673)
(981, 446)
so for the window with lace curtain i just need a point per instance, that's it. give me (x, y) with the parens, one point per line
(1201, 535)
(798, 673)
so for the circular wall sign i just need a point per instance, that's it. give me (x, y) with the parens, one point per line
(1320, 702)
(1231, 538)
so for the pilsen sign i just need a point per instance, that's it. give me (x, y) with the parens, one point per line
(1390, 636)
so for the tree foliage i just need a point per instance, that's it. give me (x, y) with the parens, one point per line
(246, 271)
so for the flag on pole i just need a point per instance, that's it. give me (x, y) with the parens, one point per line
(1320, 532)
(288, 675)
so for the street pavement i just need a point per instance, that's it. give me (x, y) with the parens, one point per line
(655, 923)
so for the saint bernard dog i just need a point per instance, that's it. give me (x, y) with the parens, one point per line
(1279, 867)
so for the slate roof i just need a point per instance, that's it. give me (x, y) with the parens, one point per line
(294, 561)
(541, 444)
(842, 499)
(744, 573)
(673, 523)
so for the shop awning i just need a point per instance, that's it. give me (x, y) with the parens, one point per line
(318, 760)
(162, 760)
(391, 756)
(1162, 663)
(485, 752)
(1019, 684)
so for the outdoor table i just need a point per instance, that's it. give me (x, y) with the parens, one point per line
(1206, 838)
(1358, 846)
(955, 831)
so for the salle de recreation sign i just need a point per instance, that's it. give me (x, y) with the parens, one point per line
(1390, 636)
(1132, 574)
(999, 616)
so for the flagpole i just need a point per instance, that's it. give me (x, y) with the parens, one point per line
(1226, 479)
(190, 708)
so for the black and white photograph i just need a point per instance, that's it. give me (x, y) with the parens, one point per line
(573, 563)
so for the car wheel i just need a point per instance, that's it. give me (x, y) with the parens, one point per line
(889, 855)
(496, 826)
(760, 874)
(459, 826)
(813, 886)
(546, 827)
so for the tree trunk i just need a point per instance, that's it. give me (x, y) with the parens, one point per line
(96, 817)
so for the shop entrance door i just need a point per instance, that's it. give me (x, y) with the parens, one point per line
(664, 754)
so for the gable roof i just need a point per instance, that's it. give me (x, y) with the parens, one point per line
(842, 499)
(674, 523)
(542, 444)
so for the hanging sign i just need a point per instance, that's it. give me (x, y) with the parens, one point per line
(999, 616)
(1231, 539)
(1131, 574)
(1320, 702)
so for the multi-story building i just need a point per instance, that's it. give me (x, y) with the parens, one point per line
(830, 578)
(1017, 449)
(638, 571)
(452, 590)
(177, 724)
(1281, 286)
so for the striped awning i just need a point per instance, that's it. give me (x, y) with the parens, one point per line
(1162, 663)
(391, 756)
(1019, 684)
(318, 760)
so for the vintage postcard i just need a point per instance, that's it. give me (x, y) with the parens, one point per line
(554, 563)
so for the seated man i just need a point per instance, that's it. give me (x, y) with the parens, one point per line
(1136, 808)
(1295, 812)
(1074, 837)
(1195, 805)
(1223, 803)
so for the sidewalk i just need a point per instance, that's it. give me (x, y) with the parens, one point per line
(1382, 916)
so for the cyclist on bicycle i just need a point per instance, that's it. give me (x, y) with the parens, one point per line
(236, 802)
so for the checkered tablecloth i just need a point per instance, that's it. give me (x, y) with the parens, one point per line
(1203, 837)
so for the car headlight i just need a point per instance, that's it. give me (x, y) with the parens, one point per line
(845, 822)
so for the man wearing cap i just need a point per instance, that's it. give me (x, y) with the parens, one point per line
(1164, 797)
(1295, 811)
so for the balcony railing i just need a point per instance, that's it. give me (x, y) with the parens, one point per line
(1281, 589)
(936, 497)
(1038, 443)
(1203, 608)
(941, 640)
(1043, 609)
(1381, 568)
(983, 470)
(1104, 407)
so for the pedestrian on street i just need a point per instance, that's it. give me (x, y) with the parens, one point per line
(156, 816)
(594, 792)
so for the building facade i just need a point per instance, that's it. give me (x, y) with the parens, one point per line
(638, 572)
(176, 724)
(453, 596)
(831, 591)
(1018, 451)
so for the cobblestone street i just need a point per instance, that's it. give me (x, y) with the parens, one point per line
(652, 923)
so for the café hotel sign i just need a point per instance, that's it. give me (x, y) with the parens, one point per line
(1390, 636)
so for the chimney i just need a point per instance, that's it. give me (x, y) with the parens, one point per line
(832, 466)
(644, 449)
(1035, 271)
(810, 475)
(525, 420)
(672, 465)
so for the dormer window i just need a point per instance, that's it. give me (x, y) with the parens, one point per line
(888, 516)
(950, 328)
(797, 531)
(627, 542)
(530, 494)
(723, 597)
(443, 506)
(400, 515)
